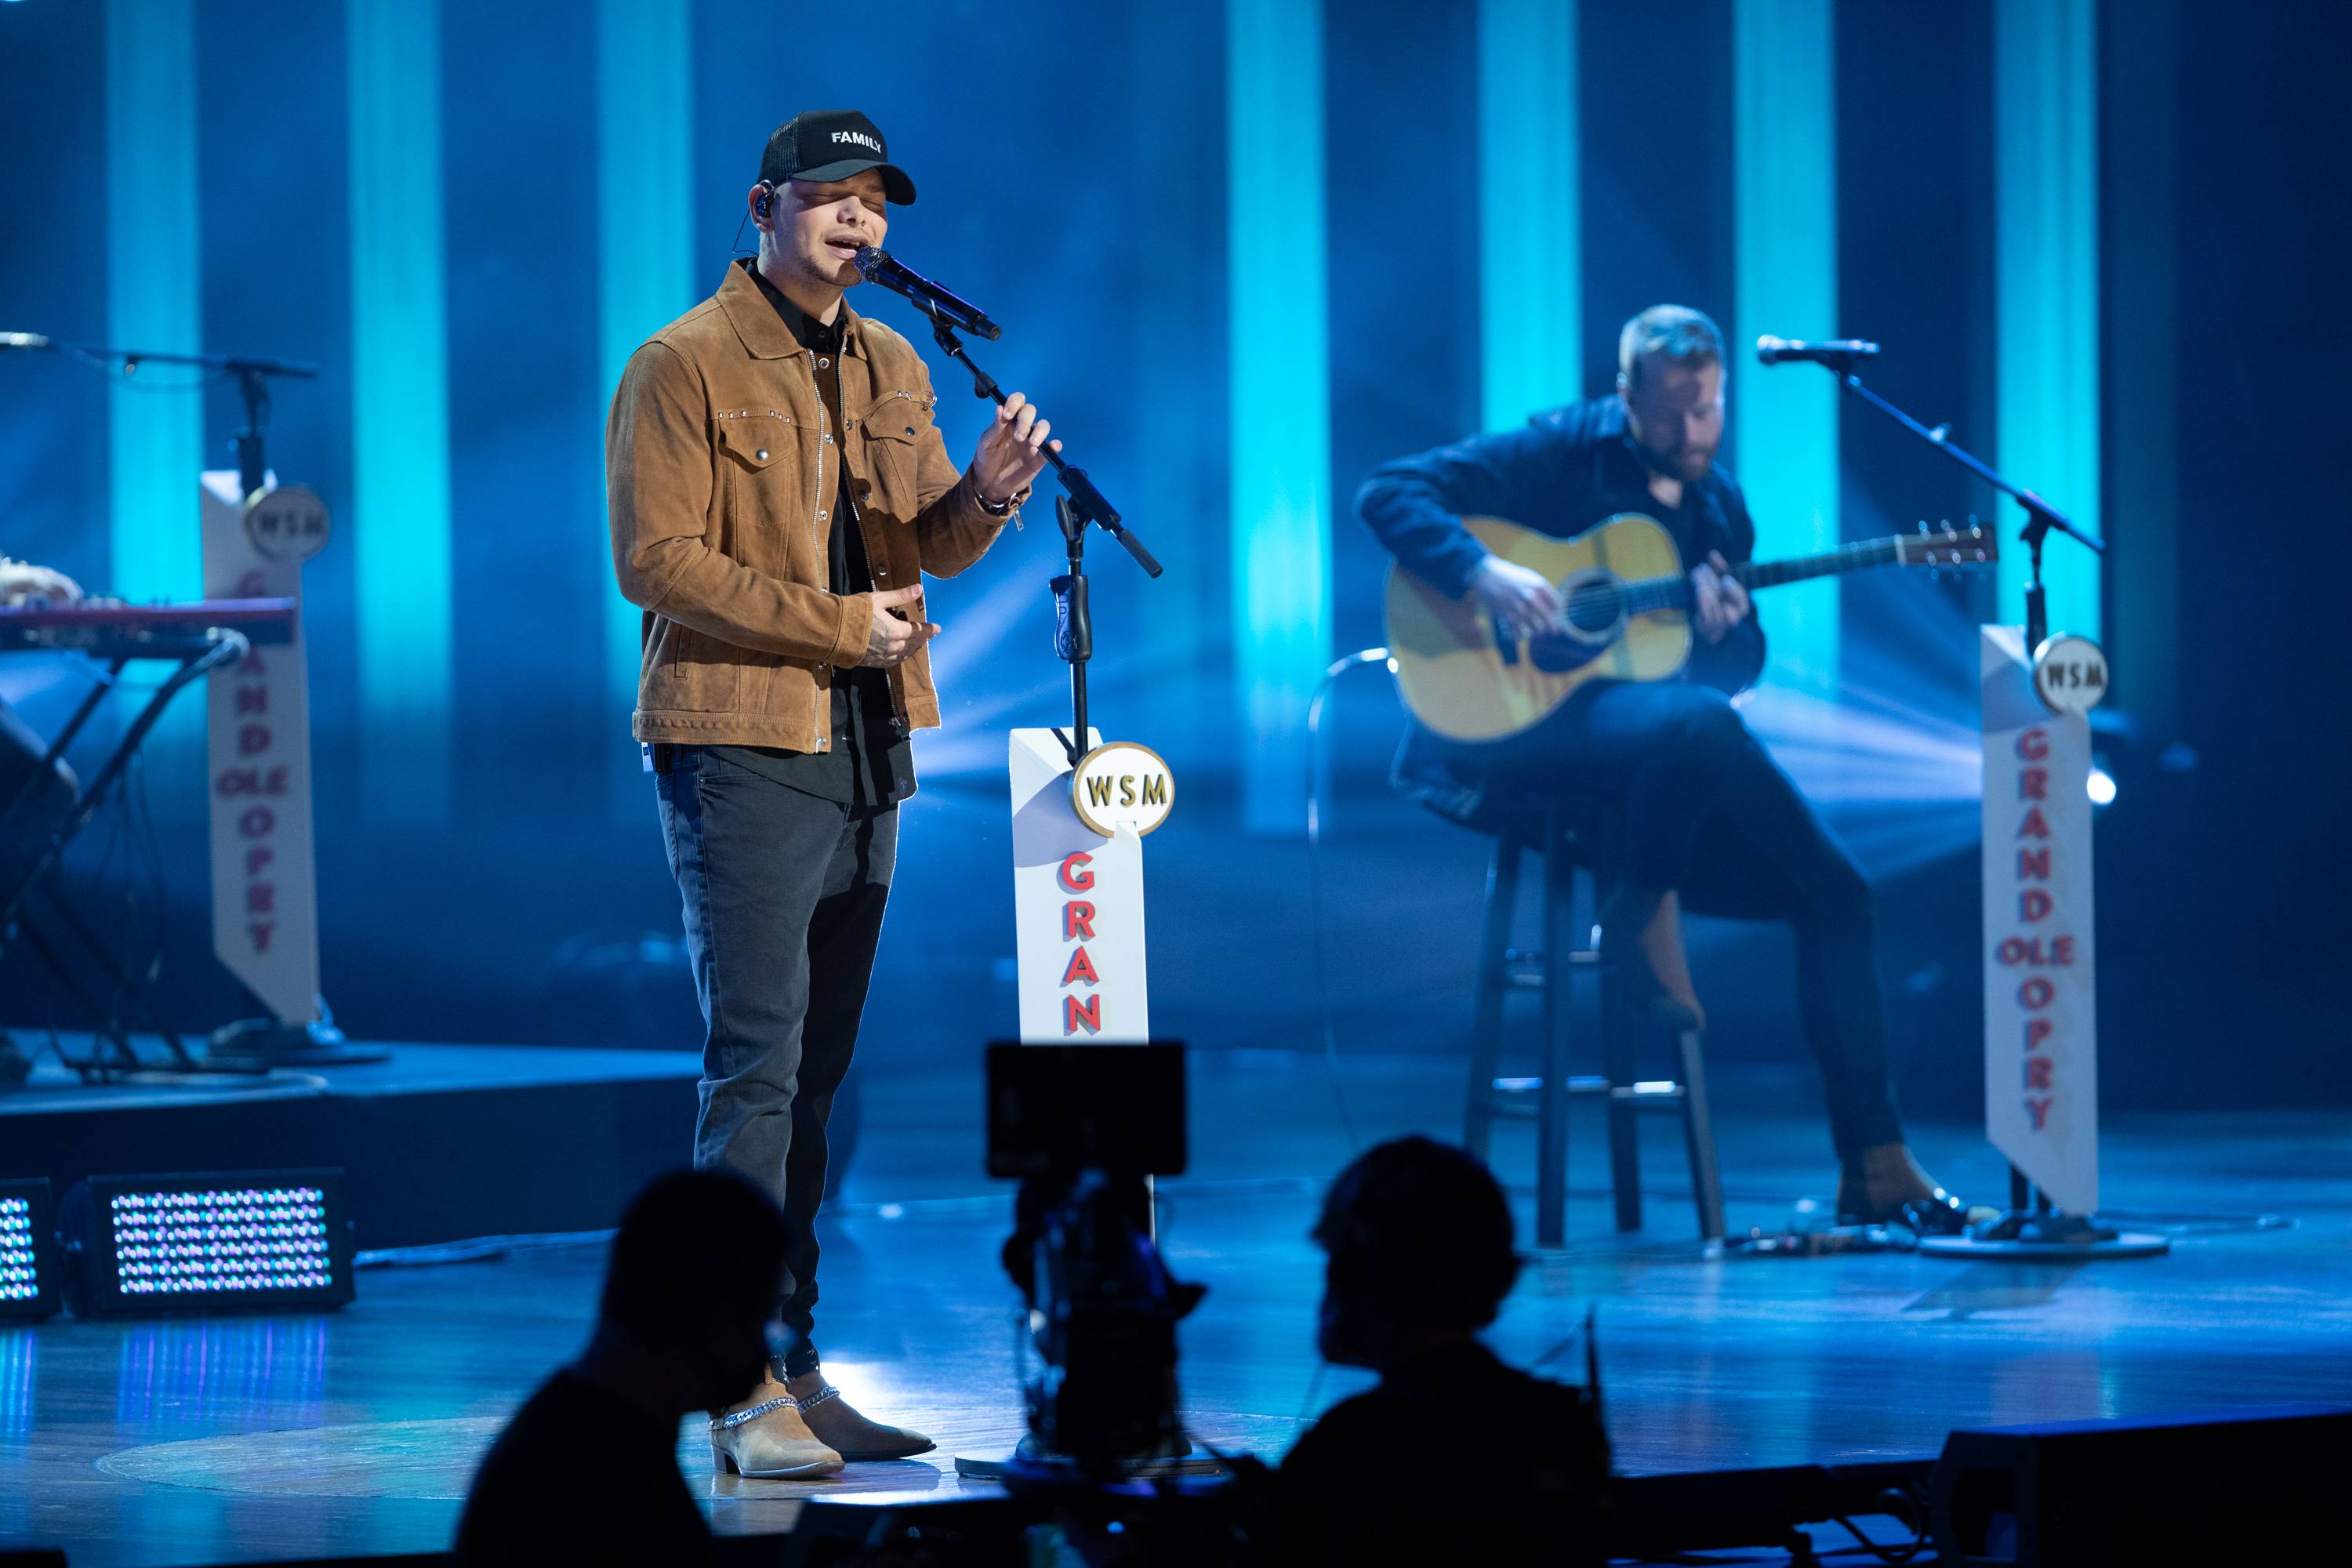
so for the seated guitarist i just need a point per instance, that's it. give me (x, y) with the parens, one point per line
(1708, 820)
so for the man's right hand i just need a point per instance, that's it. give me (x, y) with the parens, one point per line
(1522, 600)
(893, 639)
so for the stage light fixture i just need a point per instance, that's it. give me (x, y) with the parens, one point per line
(2102, 786)
(30, 1278)
(218, 1242)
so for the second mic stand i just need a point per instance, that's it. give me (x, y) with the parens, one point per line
(1084, 504)
(2041, 519)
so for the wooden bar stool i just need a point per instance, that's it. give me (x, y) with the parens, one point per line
(1566, 833)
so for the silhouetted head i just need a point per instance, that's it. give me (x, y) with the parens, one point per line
(1418, 1246)
(693, 1278)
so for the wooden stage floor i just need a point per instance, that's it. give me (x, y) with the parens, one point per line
(223, 1440)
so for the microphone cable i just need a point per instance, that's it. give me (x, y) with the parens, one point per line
(1315, 810)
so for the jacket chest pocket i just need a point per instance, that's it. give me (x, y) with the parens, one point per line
(895, 429)
(760, 468)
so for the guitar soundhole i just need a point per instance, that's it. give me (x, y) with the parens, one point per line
(1595, 608)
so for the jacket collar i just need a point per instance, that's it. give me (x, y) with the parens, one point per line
(763, 332)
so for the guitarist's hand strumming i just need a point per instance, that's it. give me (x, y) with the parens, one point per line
(1521, 599)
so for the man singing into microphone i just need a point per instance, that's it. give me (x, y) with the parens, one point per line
(1707, 817)
(777, 489)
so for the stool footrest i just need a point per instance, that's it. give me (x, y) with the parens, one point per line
(1519, 1095)
(1524, 971)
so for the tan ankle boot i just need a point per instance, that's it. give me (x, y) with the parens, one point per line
(835, 1420)
(766, 1438)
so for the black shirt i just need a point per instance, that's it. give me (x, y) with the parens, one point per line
(581, 1474)
(1540, 1458)
(871, 763)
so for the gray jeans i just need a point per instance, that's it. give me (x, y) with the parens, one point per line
(784, 893)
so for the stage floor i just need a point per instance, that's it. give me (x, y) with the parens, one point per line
(230, 1440)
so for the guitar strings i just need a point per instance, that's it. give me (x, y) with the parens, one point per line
(1628, 595)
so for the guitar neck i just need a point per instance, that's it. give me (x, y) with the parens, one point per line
(1673, 592)
(1849, 557)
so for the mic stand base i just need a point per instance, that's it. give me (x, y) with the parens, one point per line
(1030, 1467)
(2042, 1236)
(253, 1045)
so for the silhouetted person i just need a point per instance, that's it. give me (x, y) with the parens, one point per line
(1454, 1458)
(587, 1470)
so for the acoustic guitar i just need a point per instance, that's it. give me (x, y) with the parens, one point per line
(1627, 616)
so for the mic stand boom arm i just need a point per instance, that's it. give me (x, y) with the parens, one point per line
(2040, 517)
(1090, 502)
(250, 373)
(1084, 504)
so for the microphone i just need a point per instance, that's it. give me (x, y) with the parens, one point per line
(23, 341)
(880, 267)
(1836, 354)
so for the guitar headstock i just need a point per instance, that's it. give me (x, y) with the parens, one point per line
(1945, 545)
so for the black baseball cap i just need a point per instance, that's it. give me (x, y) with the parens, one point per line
(833, 144)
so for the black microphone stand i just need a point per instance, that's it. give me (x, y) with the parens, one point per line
(2040, 517)
(2041, 520)
(1084, 504)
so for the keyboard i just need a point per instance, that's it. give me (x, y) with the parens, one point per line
(108, 628)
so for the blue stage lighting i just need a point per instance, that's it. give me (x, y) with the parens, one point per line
(2102, 786)
(29, 1274)
(225, 1242)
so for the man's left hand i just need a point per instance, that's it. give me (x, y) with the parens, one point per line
(1718, 597)
(1012, 450)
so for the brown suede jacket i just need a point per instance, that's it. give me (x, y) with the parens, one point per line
(719, 471)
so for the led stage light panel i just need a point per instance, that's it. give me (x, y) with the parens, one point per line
(222, 1242)
(30, 1277)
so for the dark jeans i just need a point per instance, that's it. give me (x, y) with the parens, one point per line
(784, 893)
(1709, 813)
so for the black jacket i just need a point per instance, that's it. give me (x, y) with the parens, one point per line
(1559, 474)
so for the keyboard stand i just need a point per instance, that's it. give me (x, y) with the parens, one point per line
(111, 1056)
